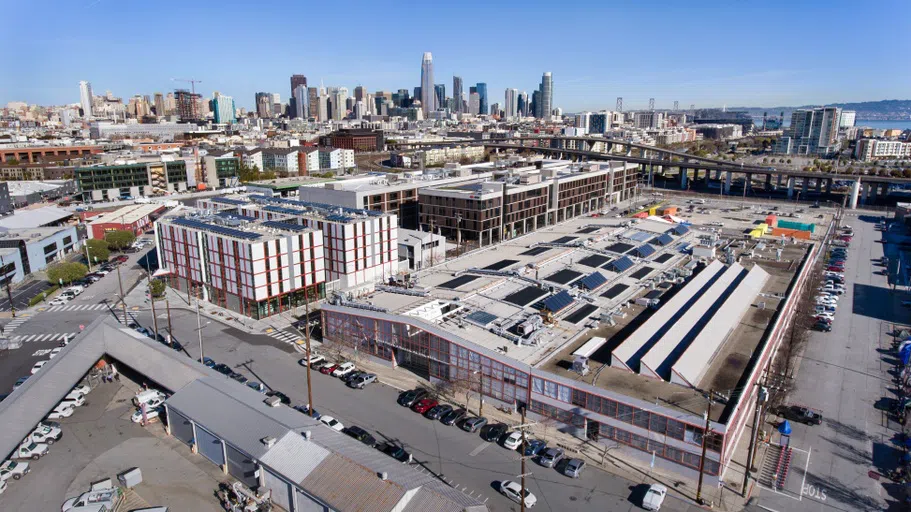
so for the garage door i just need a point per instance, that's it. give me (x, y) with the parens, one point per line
(181, 428)
(281, 491)
(241, 467)
(210, 446)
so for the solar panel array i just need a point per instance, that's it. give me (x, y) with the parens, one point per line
(645, 250)
(662, 239)
(214, 228)
(274, 208)
(288, 226)
(621, 264)
(481, 318)
(227, 200)
(680, 229)
(593, 281)
(232, 215)
(558, 302)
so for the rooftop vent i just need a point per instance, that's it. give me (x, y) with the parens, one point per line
(272, 401)
(269, 441)
(307, 435)
(384, 476)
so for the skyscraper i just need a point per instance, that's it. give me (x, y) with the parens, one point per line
(481, 87)
(428, 96)
(457, 94)
(474, 103)
(536, 103)
(523, 105)
(547, 96)
(360, 93)
(812, 132)
(300, 101)
(264, 105)
(313, 102)
(86, 98)
(297, 81)
(340, 104)
(512, 103)
(187, 105)
(223, 109)
(439, 91)
(159, 104)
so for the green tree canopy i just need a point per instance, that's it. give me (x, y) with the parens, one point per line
(120, 239)
(66, 272)
(98, 250)
(157, 287)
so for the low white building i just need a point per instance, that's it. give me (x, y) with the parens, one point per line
(420, 249)
(875, 149)
(281, 160)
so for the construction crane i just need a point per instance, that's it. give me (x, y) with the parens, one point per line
(191, 81)
(199, 172)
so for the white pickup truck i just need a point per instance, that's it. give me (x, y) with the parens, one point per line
(46, 434)
(109, 499)
(13, 469)
(30, 450)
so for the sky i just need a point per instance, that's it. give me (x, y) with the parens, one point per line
(762, 54)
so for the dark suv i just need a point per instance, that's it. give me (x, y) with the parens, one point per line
(453, 417)
(409, 398)
(473, 424)
(801, 414)
(361, 435)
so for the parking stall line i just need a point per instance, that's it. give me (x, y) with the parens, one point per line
(479, 449)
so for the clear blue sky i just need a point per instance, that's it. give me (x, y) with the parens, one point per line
(766, 53)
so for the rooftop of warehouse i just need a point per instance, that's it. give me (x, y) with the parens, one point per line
(128, 214)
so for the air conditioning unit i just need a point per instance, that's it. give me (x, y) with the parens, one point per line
(272, 401)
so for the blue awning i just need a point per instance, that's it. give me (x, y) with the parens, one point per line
(558, 302)
(662, 240)
(680, 229)
(593, 281)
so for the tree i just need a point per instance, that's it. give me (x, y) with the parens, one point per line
(66, 272)
(789, 160)
(98, 250)
(12, 161)
(157, 288)
(120, 239)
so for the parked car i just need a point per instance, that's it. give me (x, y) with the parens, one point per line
(314, 360)
(550, 457)
(13, 469)
(800, 414)
(209, 362)
(438, 411)
(223, 369)
(283, 398)
(533, 447)
(362, 380)
(573, 468)
(514, 491)
(38, 366)
(151, 413)
(237, 377)
(361, 435)
(58, 301)
(493, 433)
(472, 425)
(513, 441)
(305, 409)
(256, 386)
(424, 405)
(453, 417)
(152, 397)
(395, 451)
(45, 434)
(654, 497)
(822, 325)
(20, 381)
(351, 376)
(343, 369)
(328, 369)
(30, 450)
(332, 423)
(61, 412)
(408, 398)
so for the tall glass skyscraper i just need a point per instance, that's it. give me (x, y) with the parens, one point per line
(482, 93)
(439, 91)
(223, 109)
(457, 94)
(428, 94)
(547, 95)
(86, 98)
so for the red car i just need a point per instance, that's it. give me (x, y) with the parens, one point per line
(845, 238)
(329, 368)
(835, 269)
(424, 405)
(120, 259)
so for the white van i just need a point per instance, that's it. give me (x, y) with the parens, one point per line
(149, 397)
(74, 399)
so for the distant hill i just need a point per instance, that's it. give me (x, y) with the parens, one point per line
(886, 110)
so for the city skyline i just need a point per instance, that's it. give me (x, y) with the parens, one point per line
(727, 63)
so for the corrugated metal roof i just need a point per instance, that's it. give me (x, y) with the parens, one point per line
(295, 457)
(34, 218)
(351, 487)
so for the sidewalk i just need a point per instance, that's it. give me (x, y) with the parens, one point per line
(598, 455)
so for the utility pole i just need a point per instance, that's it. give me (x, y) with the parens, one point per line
(307, 337)
(167, 304)
(522, 458)
(705, 437)
(761, 396)
(123, 300)
(9, 295)
(152, 300)
(199, 332)
(87, 258)
(480, 393)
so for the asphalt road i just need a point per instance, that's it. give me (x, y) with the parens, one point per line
(22, 294)
(844, 373)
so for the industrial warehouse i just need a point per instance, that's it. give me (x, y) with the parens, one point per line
(618, 330)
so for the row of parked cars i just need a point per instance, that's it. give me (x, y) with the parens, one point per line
(79, 286)
(833, 286)
(346, 371)
(47, 432)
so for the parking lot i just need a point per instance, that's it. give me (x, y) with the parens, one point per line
(99, 441)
